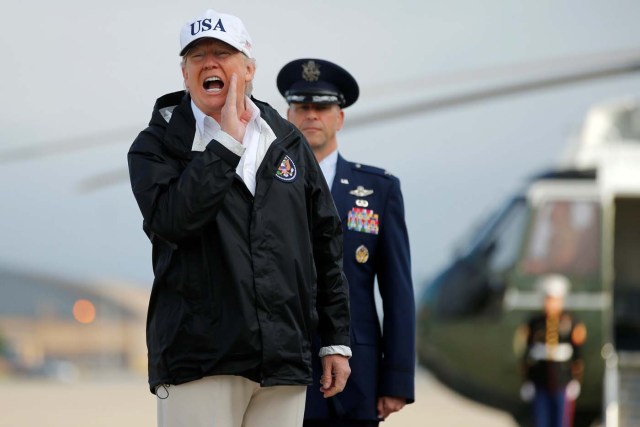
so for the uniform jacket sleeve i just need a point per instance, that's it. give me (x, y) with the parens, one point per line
(177, 197)
(397, 373)
(333, 293)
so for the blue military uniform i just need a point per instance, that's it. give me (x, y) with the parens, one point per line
(376, 245)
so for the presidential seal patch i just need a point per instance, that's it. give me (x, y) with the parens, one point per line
(287, 171)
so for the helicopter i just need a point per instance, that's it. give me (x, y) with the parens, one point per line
(578, 219)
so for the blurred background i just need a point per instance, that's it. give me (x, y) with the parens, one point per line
(463, 100)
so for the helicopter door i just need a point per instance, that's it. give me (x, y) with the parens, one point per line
(626, 263)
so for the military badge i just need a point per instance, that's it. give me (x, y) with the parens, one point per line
(310, 71)
(360, 191)
(362, 203)
(362, 254)
(363, 220)
(287, 170)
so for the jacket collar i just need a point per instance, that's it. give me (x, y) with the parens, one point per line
(173, 113)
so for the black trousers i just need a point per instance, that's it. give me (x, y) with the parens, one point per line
(339, 423)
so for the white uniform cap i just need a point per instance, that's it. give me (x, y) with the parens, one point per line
(215, 25)
(554, 285)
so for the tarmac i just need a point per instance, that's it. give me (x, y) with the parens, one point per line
(126, 402)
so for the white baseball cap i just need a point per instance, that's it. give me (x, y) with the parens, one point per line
(221, 26)
(554, 285)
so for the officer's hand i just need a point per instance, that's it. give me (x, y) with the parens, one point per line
(335, 371)
(527, 391)
(388, 405)
(234, 117)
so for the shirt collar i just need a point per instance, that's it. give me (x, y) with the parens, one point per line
(328, 166)
(255, 111)
(199, 115)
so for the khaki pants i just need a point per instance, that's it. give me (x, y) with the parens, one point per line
(230, 401)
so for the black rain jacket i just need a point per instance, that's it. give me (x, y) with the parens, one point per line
(241, 282)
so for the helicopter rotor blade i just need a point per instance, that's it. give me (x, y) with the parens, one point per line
(84, 142)
(626, 66)
(563, 65)
(559, 72)
(590, 67)
(103, 180)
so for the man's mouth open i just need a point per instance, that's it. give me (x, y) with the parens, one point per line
(213, 84)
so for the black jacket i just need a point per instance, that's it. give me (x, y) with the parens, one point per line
(240, 282)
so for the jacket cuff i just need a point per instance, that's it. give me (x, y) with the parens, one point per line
(226, 147)
(398, 384)
(342, 350)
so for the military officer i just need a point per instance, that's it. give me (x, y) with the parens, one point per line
(552, 364)
(376, 245)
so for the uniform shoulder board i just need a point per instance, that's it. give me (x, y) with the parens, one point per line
(371, 169)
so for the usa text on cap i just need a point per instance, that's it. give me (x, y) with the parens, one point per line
(221, 26)
(317, 81)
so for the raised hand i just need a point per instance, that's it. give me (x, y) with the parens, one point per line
(234, 116)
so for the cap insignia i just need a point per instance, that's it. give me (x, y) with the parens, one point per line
(310, 71)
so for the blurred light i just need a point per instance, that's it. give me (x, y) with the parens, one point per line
(84, 311)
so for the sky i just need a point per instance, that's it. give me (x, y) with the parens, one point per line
(88, 73)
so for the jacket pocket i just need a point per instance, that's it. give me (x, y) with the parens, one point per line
(365, 333)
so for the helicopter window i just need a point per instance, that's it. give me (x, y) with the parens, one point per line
(507, 238)
(475, 282)
(627, 125)
(564, 239)
(482, 236)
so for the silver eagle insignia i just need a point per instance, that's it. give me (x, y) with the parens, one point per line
(360, 191)
(310, 71)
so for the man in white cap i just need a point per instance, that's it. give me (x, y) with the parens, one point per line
(247, 246)
(552, 364)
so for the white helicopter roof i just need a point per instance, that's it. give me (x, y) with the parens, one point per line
(608, 126)
(609, 143)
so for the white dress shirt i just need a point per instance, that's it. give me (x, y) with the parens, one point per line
(257, 139)
(328, 166)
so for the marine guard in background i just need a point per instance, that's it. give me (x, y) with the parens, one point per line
(376, 244)
(552, 365)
